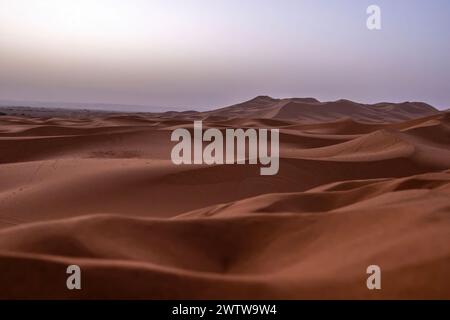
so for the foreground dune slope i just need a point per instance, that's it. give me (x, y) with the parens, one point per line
(358, 185)
(264, 254)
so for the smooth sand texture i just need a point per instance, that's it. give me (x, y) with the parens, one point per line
(358, 185)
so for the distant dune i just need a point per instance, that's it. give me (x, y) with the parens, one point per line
(310, 109)
(358, 185)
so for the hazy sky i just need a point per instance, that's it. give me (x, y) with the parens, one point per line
(202, 54)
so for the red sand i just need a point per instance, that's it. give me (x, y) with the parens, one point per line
(358, 185)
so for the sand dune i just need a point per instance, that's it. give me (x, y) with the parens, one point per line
(357, 185)
(309, 109)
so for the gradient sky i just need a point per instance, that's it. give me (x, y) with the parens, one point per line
(202, 54)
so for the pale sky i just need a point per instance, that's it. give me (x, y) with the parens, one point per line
(201, 54)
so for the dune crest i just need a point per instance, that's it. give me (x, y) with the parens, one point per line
(312, 110)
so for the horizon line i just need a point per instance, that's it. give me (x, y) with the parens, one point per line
(77, 105)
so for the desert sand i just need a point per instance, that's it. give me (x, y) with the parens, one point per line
(358, 185)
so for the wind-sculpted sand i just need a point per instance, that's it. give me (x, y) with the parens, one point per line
(357, 185)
